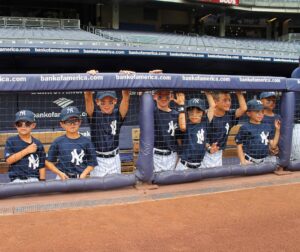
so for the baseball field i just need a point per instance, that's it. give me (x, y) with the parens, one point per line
(258, 213)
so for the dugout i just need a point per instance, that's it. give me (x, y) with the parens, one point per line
(145, 82)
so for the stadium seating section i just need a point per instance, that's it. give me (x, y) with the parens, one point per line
(67, 33)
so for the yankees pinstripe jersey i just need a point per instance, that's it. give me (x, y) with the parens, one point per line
(255, 139)
(219, 128)
(28, 166)
(194, 142)
(72, 155)
(105, 130)
(166, 129)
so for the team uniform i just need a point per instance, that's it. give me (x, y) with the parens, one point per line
(166, 131)
(27, 168)
(255, 139)
(194, 143)
(218, 130)
(73, 155)
(271, 119)
(105, 130)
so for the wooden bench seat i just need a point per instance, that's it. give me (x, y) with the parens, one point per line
(231, 150)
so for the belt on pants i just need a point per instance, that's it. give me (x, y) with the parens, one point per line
(190, 165)
(21, 178)
(254, 160)
(108, 154)
(163, 152)
(72, 175)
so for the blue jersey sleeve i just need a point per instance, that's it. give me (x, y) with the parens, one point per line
(233, 119)
(272, 133)
(53, 152)
(242, 136)
(91, 155)
(9, 150)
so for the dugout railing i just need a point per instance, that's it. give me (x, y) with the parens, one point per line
(143, 84)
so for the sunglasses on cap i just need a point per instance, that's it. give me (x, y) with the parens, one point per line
(20, 124)
(72, 121)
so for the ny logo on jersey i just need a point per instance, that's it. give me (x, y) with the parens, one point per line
(113, 126)
(78, 158)
(200, 136)
(264, 138)
(70, 110)
(33, 162)
(172, 127)
(227, 128)
(22, 113)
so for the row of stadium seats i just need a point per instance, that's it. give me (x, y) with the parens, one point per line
(196, 43)
(148, 41)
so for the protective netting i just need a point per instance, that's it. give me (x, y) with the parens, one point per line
(206, 133)
(119, 134)
(169, 128)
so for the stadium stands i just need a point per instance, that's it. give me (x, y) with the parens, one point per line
(63, 32)
(34, 31)
(197, 43)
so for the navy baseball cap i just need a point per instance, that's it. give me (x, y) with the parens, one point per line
(254, 105)
(197, 103)
(69, 112)
(101, 94)
(267, 95)
(25, 115)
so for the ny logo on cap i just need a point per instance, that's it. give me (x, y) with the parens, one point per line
(70, 110)
(22, 112)
(195, 100)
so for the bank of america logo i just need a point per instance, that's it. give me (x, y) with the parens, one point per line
(63, 102)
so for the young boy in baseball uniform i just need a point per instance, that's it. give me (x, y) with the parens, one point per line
(224, 119)
(105, 119)
(195, 133)
(24, 153)
(167, 124)
(71, 155)
(255, 138)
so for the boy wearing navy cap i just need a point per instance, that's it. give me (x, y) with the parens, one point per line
(268, 100)
(24, 153)
(224, 119)
(255, 138)
(105, 120)
(195, 142)
(74, 153)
